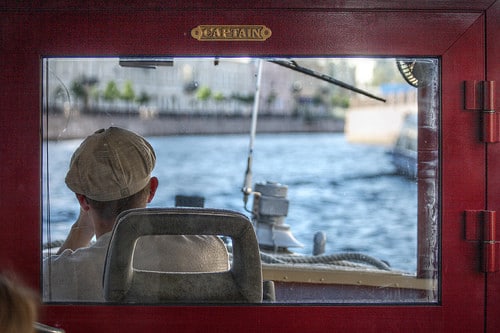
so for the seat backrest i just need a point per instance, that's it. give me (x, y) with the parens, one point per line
(242, 283)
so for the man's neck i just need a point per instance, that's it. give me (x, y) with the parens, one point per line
(102, 227)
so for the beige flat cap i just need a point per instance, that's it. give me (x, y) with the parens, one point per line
(111, 164)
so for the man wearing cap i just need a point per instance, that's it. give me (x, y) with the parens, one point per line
(111, 172)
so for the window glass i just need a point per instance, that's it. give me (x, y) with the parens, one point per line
(333, 160)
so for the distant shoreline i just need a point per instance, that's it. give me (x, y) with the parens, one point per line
(60, 127)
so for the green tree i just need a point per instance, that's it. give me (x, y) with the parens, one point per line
(245, 99)
(340, 101)
(219, 97)
(270, 99)
(111, 93)
(128, 93)
(82, 88)
(204, 93)
(61, 95)
(143, 98)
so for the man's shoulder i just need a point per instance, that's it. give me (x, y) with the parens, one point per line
(95, 250)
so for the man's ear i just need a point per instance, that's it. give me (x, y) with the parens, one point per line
(82, 200)
(153, 185)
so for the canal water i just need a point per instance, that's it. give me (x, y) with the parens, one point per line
(349, 191)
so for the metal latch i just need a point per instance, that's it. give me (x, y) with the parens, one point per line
(480, 225)
(480, 96)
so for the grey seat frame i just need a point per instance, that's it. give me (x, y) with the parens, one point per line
(241, 284)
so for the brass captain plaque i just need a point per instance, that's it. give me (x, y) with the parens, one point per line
(256, 33)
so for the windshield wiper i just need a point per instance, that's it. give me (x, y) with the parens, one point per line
(145, 62)
(294, 66)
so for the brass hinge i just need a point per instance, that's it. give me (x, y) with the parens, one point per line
(480, 96)
(480, 225)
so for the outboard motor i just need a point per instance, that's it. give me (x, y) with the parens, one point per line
(270, 207)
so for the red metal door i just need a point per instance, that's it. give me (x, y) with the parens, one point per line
(457, 37)
(493, 176)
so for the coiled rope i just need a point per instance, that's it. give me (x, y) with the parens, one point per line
(340, 259)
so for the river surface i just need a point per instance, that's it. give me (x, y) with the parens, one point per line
(349, 191)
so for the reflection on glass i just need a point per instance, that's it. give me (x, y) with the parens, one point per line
(341, 187)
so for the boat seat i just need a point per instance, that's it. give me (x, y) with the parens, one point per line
(242, 283)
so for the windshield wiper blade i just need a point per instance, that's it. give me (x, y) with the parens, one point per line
(145, 62)
(294, 66)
